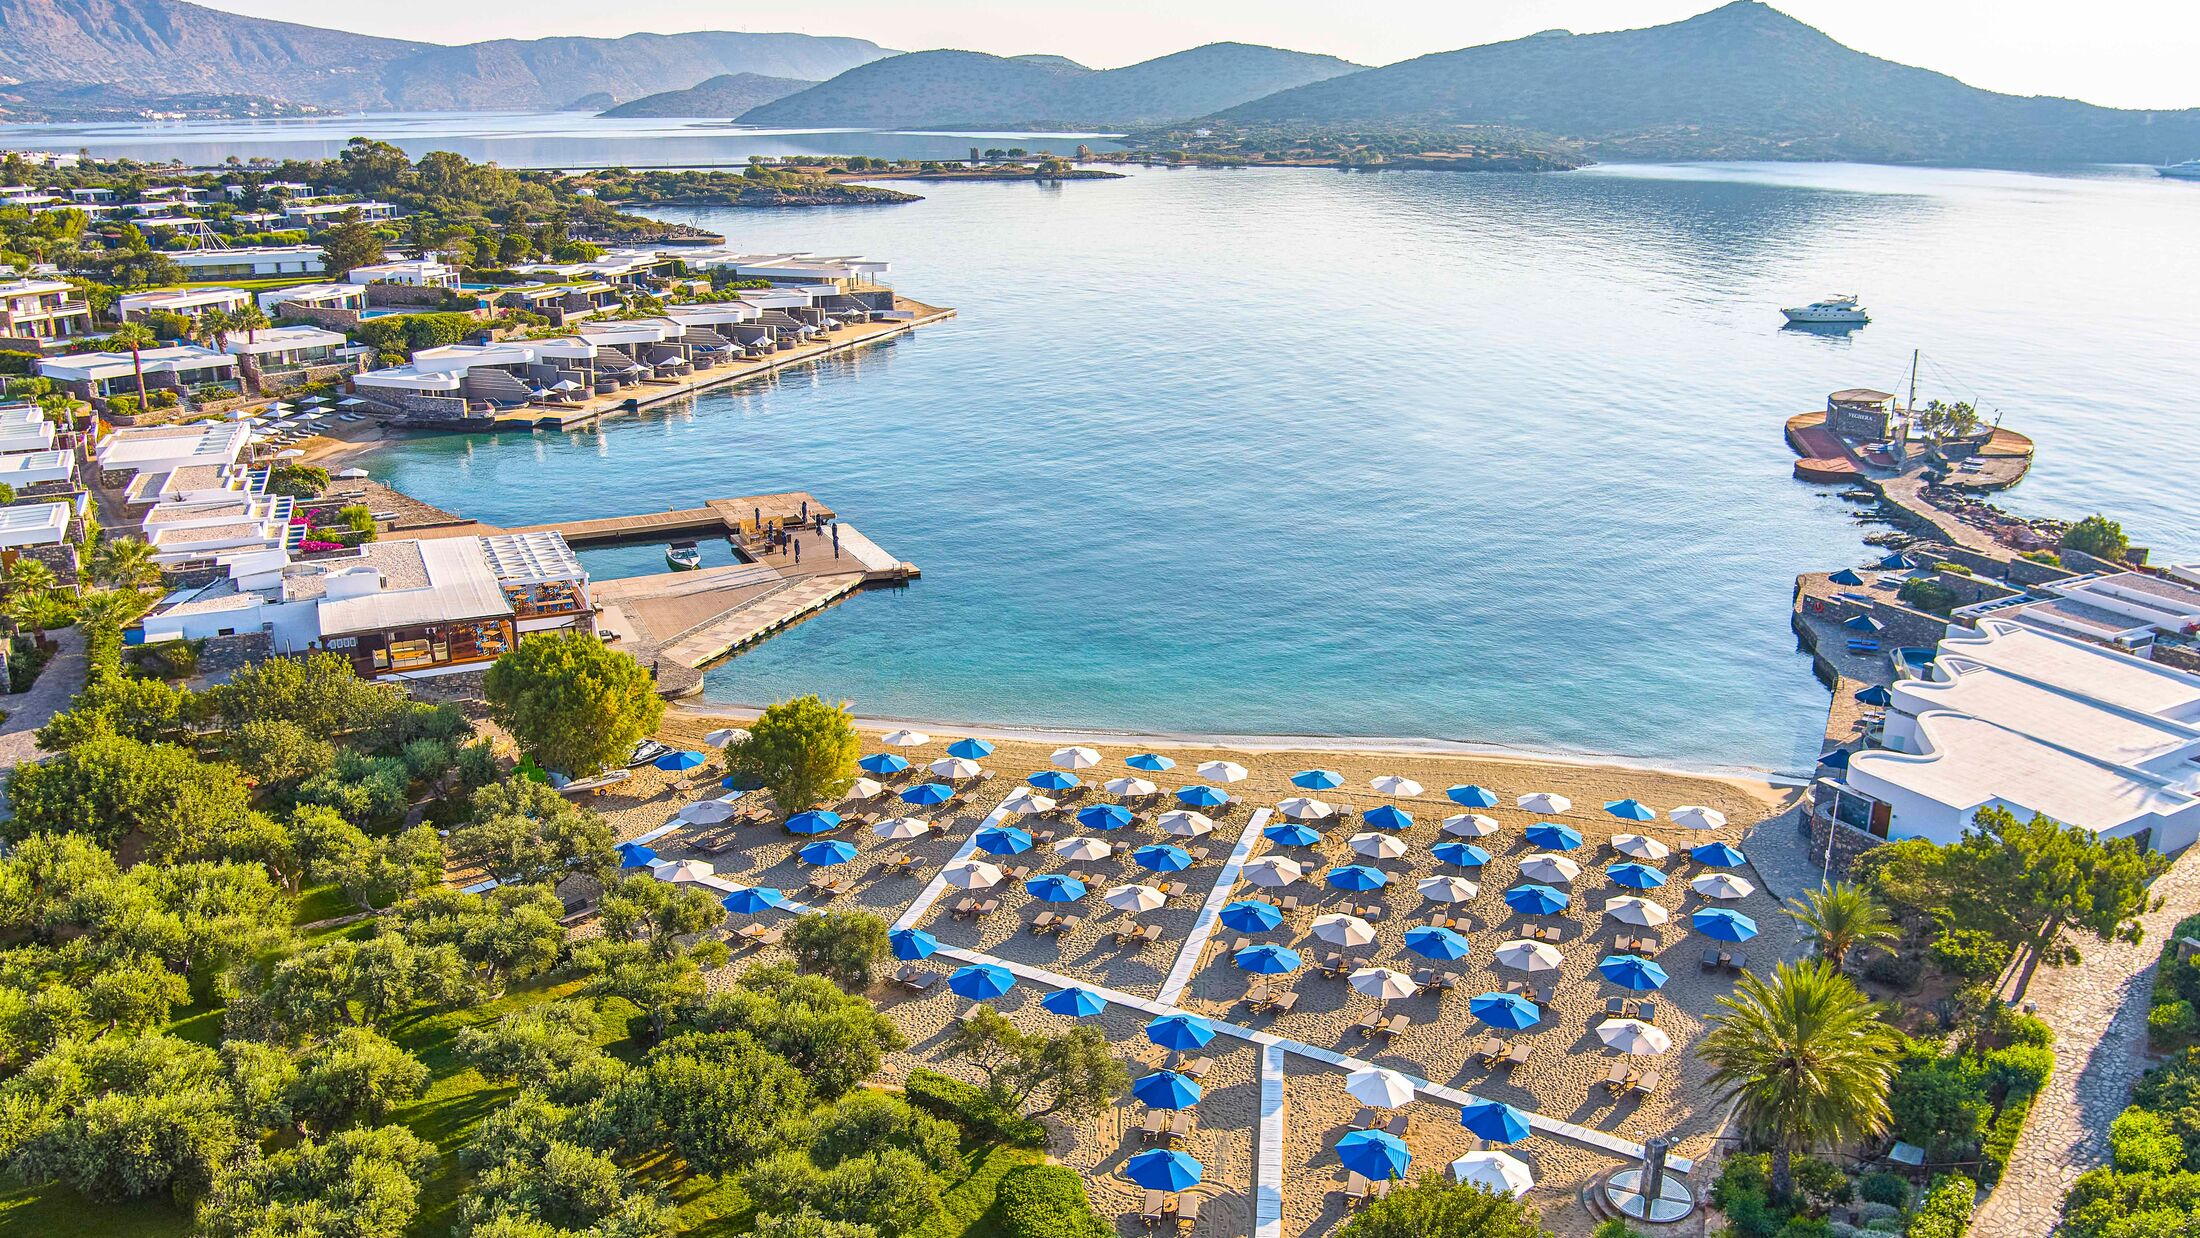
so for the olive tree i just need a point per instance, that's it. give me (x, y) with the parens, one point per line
(802, 750)
(573, 704)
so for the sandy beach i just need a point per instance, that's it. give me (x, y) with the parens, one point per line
(1567, 1062)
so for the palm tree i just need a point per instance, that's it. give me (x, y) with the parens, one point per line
(1807, 1059)
(1844, 918)
(132, 337)
(212, 325)
(248, 320)
(125, 563)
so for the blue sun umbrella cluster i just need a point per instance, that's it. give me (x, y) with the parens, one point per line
(635, 855)
(1357, 877)
(1075, 1002)
(1317, 779)
(752, 899)
(881, 764)
(832, 851)
(1433, 941)
(1267, 960)
(1472, 796)
(1166, 1089)
(1150, 763)
(1200, 795)
(981, 982)
(1161, 1169)
(1635, 876)
(1055, 888)
(1717, 855)
(1377, 1155)
(680, 762)
(1251, 915)
(1292, 834)
(1104, 817)
(1552, 836)
(1720, 924)
(1631, 810)
(1162, 858)
(1632, 971)
(1510, 1011)
(972, 749)
(910, 945)
(1053, 780)
(814, 821)
(1532, 899)
(926, 793)
(1461, 855)
(1180, 1032)
(1002, 840)
(1495, 1121)
(1387, 817)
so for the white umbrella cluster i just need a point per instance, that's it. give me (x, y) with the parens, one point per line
(902, 828)
(1545, 803)
(1470, 825)
(1025, 800)
(1339, 929)
(1305, 808)
(1083, 849)
(1378, 846)
(1133, 899)
(1549, 869)
(1521, 954)
(905, 739)
(1635, 910)
(1723, 887)
(1446, 889)
(1640, 847)
(1128, 788)
(1697, 817)
(1184, 823)
(1270, 871)
(972, 874)
(1394, 786)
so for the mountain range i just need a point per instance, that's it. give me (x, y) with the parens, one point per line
(726, 95)
(175, 47)
(948, 89)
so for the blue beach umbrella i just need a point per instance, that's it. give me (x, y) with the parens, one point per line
(1104, 817)
(635, 855)
(1162, 858)
(1267, 960)
(1432, 941)
(1635, 876)
(1552, 836)
(1863, 623)
(753, 899)
(972, 749)
(1495, 1121)
(1150, 762)
(1002, 840)
(1717, 855)
(981, 981)
(1317, 779)
(1387, 817)
(1199, 795)
(1358, 877)
(1075, 1002)
(1055, 888)
(1720, 924)
(1053, 780)
(1510, 1011)
(928, 793)
(1837, 759)
(832, 851)
(1537, 900)
(1180, 1032)
(912, 944)
(1159, 1169)
(1251, 915)
(740, 781)
(815, 821)
(1291, 834)
(1877, 694)
(1631, 810)
(1166, 1089)
(1469, 795)
(680, 762)
(1632, 971)
(1461, 855)
(883, 763)
(1847, 576)
(1377, 1155)
(1898, 563)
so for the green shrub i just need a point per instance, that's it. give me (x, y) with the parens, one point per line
(1046, 1201)
(1970, 955)
(2143, 1142)
(967, 1106)
(1926, 594)
(2001, 1139)
(2019, 1069)
(1886, 1225)
(1891, 1190)
(1896, 971)
(1946, 1212)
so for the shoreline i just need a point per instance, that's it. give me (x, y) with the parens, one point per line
(1374, 745)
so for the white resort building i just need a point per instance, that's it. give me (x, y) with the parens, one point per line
(181, 367)
(412, 272)
(254, 262)
(2037, 722)
(189, 302)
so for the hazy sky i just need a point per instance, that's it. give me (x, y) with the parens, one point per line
(2130, 53)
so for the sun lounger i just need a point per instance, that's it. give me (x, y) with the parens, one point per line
(1282, 1003)
(1197, 1068)
(1041, 922)
(1620, 1076)
(1334, 964)
(1517, 1055)
(1712, 960)
(1157, 1121)
(1489, 1049)
(1198, 854)
(771, 936)
(1019, 872)
(1124, 935)
(1646, 1085)
(1355, 1188)
(1394, 1025)
(1734, 961)
(1646, 1010)
(1365, 1025)
(1068, 924)
(1256, 995)
(1180, 1125)
(1290, 904)
(987, 908)
(1154, 1208)
(1616, 1007)
(1175, 889)
(1367, 1117)
(1398, 1124)
(1187, 1211)
(1380, 1188)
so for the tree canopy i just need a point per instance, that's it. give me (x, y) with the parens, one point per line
(802, 750)
(574, 704)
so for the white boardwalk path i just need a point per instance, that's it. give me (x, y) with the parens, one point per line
(934, 888)
(1268, 1156)
(1195, 943)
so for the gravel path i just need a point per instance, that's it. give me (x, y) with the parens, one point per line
(63, 676)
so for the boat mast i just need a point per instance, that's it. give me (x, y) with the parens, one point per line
(1913, 379)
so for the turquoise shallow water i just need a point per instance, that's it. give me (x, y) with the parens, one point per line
(1491, 458)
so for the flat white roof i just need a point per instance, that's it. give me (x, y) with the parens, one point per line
(243, 253)
(34, 462)
(313, 292)
(2065, 662)
(176, 358)
(172, 446)
(282, 339)
(529, 557)
(1969, 763)
(181, 298)
(2058, 715)
(28, 287)
(460, 585)
(34, 524)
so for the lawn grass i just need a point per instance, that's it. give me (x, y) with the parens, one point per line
(264, 283)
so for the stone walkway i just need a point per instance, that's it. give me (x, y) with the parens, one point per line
(60, 681)
(2099, 1012)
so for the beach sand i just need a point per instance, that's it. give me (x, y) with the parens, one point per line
(1567, 1064)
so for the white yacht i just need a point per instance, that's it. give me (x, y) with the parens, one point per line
(1836, 310)
(2189, 170)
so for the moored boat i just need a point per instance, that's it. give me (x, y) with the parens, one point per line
(1835, 310)
(683, 557)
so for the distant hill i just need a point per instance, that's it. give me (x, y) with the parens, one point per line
(70, 103)
(952, 88)
(169, 46)
(727, 95)
(1740, 82)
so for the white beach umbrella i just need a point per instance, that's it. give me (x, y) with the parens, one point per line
(1305, 808)
(1393, 785)
(1339, 929)
(353, 474)
(1633, 1036)
(1084, 849)
(1133, 899)
(1523, 955)
(904, 739)
(864, 788)
(1383, 983)
(1184, 823)
(1640, 847)
(955, 767)
(290, 453)
(1221, 771)
(972, 874)
(1697, 817)
(709, 812)
(902, 828)
(684, 870)
(1446, 889)
(1635, 910)
(1549, 869)
(1499, 1173)
(1724, 887)
(1026, 800)
(1128, 788)
(1377, 1086)
(1076, 758)
(1545, 802)
(1273, 870)
(1378, 846)
(723, 735)
(1470, 825)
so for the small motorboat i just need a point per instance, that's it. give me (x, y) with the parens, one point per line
(684, 557)
(1841, 311)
